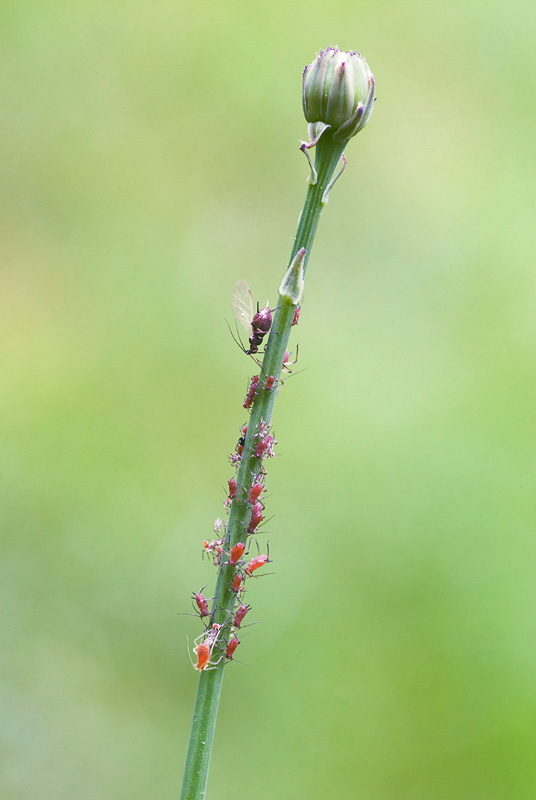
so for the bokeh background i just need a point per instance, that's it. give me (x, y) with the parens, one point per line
(149, 160)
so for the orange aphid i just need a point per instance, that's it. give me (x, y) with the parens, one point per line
(203, 650)
(203, 656)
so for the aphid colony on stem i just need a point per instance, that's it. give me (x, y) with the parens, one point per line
(263, 447)
(221, 636)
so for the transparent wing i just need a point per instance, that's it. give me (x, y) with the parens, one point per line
(242, 303)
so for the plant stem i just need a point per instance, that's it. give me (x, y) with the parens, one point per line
(327, 157)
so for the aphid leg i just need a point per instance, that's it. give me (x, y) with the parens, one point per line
(286, 361)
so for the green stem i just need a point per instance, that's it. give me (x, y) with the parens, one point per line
(328, 154)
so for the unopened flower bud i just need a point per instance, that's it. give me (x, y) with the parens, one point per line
(338, 93)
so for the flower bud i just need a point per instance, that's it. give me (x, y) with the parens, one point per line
(338, 93)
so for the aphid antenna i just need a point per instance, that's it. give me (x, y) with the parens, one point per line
(198, 615)
(189, 614)
(189, 653)
(262, 575)
(249, 625)
(235, 661)
(292, 374)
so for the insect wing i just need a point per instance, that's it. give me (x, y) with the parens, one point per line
(242, 303)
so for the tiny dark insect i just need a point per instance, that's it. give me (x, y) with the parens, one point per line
(256, 324)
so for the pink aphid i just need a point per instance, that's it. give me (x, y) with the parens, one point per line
(255, 492)
(262, 447)
(236, 553)
(255, 563)
(265, 447)
(296, 315)
(231, 647)
(250, 397)
(256, 517)
(240, 613)
(270, 380)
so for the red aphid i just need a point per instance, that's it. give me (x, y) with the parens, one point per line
(232, 488)
(256, 517)
(270, 380)
(296, 316)
(255, 563)
(231, 647)
(202, 604)
(244, 430)
(250, 397)
(255, 492)
(236, 553)
(240, 613)
(237, 583)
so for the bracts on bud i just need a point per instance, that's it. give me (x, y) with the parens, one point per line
(338, 93)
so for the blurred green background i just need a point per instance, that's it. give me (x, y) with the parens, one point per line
(149, 160)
